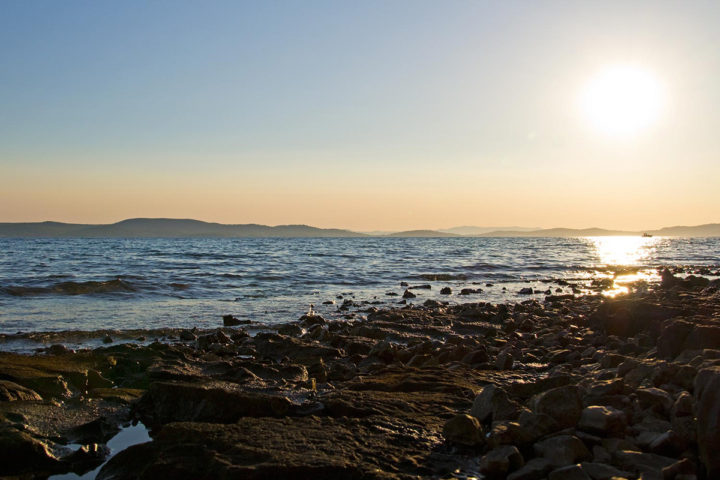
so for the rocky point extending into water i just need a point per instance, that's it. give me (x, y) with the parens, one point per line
(575, 387)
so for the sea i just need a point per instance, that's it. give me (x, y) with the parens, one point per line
(184, 283)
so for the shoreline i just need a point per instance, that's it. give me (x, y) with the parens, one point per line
(582, 385)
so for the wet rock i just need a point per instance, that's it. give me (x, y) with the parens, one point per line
(602, 420)
(87, 457)
(310, 320)
(446, 291)
(562, 450)
(107, 339)
(526, 291)
(562, 404)
(217, 337)
(470, 291)
(187, 336)
(230, 321)
(290, 329)
(464, 430)
(493, 404)
(408, 294)
(500, 461)
(707, 400)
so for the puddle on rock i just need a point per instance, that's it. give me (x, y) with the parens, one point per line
(125, 438)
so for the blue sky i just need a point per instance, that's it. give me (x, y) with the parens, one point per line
(340, 113)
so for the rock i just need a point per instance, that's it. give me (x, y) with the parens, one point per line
(107, 339)
(464, 430)
(291, 329)
(409, 294)
(187, 336)
(654, 399)
(311, 319)
(470, 291)
(493, 404)
(20, 452)
(648, 465)
(562, 404)
(562, 450)
(230, 321)
(535, 469)
(217, 337)
(601, 471)
(628, 317)
(500, 461)
(526, 291)
(602, 420)
(707, 401)
(703, 337)
(504, 433)
(476, 356)
(11, 391)
(571, 472)
(216, 402)
(682, 467)
(672, 337)
(504, 360)
(684, 405)
(446, 291)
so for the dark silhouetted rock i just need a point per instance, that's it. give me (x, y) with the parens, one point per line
(463, 429)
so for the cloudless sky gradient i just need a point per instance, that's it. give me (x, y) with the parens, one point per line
(364, 115)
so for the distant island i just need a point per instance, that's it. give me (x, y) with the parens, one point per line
(186, 228)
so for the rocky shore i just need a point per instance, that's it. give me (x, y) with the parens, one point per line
(572, 387)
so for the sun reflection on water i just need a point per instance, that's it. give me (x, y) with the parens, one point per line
(625, 257)
(624, 251)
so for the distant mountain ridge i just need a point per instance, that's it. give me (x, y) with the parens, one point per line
(166, 227)
(188, 228)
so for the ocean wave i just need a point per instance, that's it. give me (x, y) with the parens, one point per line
(439, 277)
(71, 288)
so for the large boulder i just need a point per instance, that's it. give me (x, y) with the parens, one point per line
(563, 404)
(602, 420)
(562, 450)
(628, 317)
(463, 429)
(707, 400)
(498, 462)
(673, 333)
(493, 404)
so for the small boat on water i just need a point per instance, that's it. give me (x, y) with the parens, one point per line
(646, 235)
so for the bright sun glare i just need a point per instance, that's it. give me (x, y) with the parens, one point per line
(622, 100)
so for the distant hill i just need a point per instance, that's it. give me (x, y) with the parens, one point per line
(473, 230)
(707, 230)
(422, 233)
(165, 227)
(186, 228)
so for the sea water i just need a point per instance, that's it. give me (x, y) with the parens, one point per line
(163, 283)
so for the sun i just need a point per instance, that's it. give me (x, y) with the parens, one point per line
(622, 100)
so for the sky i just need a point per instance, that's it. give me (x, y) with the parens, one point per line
(373, 115)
